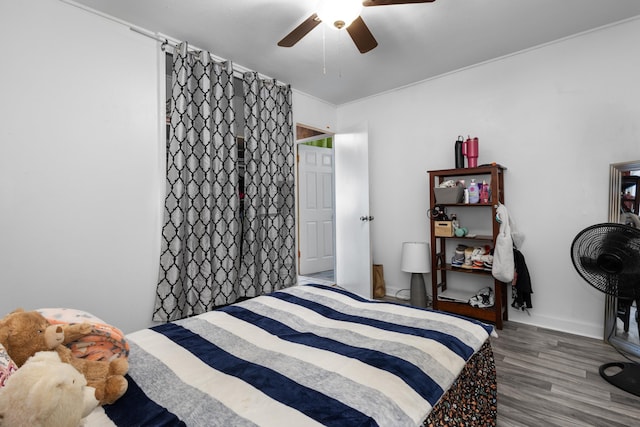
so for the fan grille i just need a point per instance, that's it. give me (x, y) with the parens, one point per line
(607, 256)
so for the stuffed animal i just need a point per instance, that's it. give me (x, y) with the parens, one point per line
(7, 366)
(46, 392)
(24, 333)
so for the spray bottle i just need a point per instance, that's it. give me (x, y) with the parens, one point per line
(474, 193)
(484, 192)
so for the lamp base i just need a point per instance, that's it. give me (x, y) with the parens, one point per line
(418, 290)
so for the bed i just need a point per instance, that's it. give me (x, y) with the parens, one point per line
(309, 355)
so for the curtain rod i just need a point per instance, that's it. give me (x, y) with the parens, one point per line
(238, 70)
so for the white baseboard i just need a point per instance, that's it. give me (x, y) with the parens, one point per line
(518, 316)
(400, 293)
(590, 330)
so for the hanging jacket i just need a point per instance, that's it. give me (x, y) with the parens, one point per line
(522, 282)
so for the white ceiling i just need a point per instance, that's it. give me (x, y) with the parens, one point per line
(415, 41)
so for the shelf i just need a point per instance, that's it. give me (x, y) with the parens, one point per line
(449, 267)
(477, 237)
(485, 170)
(443, 272)
(455, 296)
(464, 309)
(466, 205)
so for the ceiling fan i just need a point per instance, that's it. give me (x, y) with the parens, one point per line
(343, 14)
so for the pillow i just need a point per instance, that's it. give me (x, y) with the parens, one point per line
(68, 315)
(105, 342)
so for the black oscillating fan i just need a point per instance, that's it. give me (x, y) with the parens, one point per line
(607, 256)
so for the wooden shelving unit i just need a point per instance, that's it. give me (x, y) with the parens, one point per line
(443, 271)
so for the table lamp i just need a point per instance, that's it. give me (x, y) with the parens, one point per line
(416, 260)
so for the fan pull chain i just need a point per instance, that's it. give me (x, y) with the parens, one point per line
(340, 52)
(324, 52)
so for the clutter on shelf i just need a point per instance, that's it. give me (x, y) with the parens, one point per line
(452, 192)
(483, 299)
(479, 258)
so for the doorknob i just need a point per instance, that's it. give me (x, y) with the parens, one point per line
(366, 218)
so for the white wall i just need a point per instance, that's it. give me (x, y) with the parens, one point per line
(79, 190)
(313, 112)
(555, 116)
(81, 169)
(81, 186)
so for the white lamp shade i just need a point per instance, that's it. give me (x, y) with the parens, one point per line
(330, 11)
(416, 257)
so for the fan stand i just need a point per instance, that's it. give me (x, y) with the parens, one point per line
(624, 375)
(605, 252)
(627, 378)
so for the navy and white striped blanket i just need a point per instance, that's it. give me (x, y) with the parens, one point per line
(304, 356)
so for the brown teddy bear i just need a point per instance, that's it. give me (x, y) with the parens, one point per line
(24, 333)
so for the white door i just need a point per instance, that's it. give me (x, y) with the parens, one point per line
(353, 251)
(315, 177)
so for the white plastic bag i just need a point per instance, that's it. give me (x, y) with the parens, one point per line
(503, 264)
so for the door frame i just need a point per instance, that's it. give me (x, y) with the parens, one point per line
(320, 134)
(298, 186)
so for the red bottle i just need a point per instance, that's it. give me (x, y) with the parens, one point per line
(484, 193)
(470, 150)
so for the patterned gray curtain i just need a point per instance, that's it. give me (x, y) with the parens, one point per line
(200, 255)
(268, 250)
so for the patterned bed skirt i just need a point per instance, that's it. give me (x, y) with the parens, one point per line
(472, 398)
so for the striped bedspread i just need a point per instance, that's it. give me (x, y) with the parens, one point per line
(307, 355)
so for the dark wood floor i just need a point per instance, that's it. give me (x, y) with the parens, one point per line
(549, 378)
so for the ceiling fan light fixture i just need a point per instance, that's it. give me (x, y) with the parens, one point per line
(339, 14)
